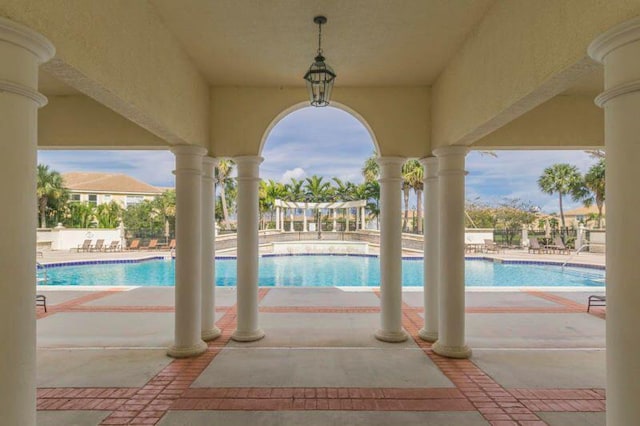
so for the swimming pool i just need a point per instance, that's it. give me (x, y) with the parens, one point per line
(326, 271)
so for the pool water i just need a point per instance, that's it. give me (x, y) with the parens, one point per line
(325, 271)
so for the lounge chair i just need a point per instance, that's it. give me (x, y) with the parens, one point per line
(98, 246)
(595, 300)
(491, 246)
(534, 246)
(41, 300)
(558, 245)
(153, 245)
(86, 246)
(135, 245)
(114, 246)
(172, 244)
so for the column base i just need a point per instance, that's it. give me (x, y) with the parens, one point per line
(428, 336)
(391, 336)
(209, 335)
(459, 352)
(187, 351)
(247, 336)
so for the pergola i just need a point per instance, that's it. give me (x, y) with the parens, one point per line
(429, 80)
(282, 205)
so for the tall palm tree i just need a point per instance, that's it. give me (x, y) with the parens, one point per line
(50, 186)
(373, 200)
(293, 190)
(371, 169)
(108, 215)
(316, 191)
(594, 181)
(415, 176)
(562, 179)
(223, 173)
(409, 174)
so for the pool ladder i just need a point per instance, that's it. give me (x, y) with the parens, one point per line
(41, 279)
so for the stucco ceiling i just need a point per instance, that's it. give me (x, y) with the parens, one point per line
(51, 86)
(591, 84)
(367, 42)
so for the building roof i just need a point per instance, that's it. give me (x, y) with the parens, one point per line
(107, 182)
(583, 211)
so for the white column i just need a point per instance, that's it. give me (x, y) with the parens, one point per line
(247, 263)
(451, 341)
(363, 220)
(524, 239)
(291, 219)
(390, 250)
(357, 218)
(21, 50)
(619, 50)
(431, 250)
(304, 218)
(188, 284)
(208, 330)
(347, 212)
(277, 218)
(580, 237)
(335, 220)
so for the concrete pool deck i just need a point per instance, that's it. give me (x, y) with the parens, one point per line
(538, 359)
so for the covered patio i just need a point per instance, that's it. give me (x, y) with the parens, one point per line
(209, 80)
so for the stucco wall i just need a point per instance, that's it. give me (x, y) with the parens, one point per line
(121, 54)
(522, 54)
(398, 118)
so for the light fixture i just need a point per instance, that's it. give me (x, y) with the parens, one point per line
(320, 76)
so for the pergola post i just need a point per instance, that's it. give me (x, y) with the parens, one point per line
(188, 341)
(277, 225)
(335, 220)
(208, 331)
(451, 339)
(291, 219)
(21, 51)
(363, 221)
(304, 219)
(390, 251)
(248, 178)
(619, 50)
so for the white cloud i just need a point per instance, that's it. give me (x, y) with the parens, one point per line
(297, 173)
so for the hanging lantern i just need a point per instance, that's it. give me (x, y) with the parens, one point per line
(320, 76)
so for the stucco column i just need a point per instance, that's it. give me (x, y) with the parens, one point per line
(619, 50)
(335, 220)
(277, 218)
(208, 330)
(431, 250)
(390, 250)
(291, 219)
(357, 218)
(304, 219)
(363, 220)
(347, 214)
(187, 341)
(247, 263)
(21, 51)
(451, 340)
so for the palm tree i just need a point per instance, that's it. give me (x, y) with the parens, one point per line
(409, 173)
(594, 181)
(108, 215)
(293, 190)
(316, 191)
(223, 173)
(415, 176)
(50, 186)
(562, 179)
(371, 169)
(373, 200)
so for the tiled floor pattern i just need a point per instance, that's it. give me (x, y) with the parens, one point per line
(171, 388)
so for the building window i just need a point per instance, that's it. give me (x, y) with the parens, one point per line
(75, 197)
(93, 199)
(106, 198)
(132, 200)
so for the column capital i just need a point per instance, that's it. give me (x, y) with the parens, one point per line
(450, 151)
(610, 40)
(430, 165)
(390, 168)
(208, 168)
(27, 38)
(248, 167)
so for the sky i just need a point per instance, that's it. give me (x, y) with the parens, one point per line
(330, 142)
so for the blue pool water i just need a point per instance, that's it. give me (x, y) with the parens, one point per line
(325, 271)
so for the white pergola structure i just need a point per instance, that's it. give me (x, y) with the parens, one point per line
(359, 205)
(210, 80)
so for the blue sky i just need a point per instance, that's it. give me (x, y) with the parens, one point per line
(330, 142)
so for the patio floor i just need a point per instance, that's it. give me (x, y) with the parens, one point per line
(538, 359)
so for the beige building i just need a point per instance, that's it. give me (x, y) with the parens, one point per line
(100, 188)
(585, 215)
(210, 79)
